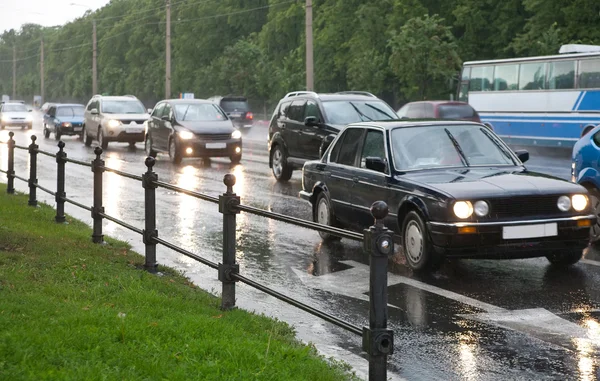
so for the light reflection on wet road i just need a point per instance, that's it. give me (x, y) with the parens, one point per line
(473, 320)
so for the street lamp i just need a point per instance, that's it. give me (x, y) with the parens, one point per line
(94, 51)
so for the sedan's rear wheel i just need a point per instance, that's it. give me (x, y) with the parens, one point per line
(565, 259)
(323, 214)
(417, 247)
(281, 169)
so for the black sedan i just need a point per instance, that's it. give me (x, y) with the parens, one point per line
(454, 189)
(192, 128)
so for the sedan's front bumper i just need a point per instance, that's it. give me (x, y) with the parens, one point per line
(210, 148)
(486, 239)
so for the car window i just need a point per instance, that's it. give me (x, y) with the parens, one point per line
(349, 146)
(90, 105)
(296, 110)
(283, 109)
(230, 105)
(346, 112)
(166, 111)
(157, 113)
(198, 112)
(402, 112)
(123, 107)
(14, 108)
(456, 111)
(428, 110)
(373, 147)
(69, 111)
(52, 111)
(312, 109)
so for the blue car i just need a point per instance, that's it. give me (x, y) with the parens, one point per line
(585, 170)
(64, 119)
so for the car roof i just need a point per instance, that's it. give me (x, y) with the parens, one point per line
(403, 123)
(439, 103)
(67, 105)
(118, 97)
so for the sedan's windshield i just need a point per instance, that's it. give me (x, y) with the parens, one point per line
(69, 111)
(198, 112)
(447, 146)
(346, 112)
(123, 107)
(14, 108)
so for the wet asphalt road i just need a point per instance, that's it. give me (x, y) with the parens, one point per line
(473, 320)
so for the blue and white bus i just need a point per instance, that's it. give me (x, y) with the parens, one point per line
(547, 101)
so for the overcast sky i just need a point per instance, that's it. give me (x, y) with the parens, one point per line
(14, 13)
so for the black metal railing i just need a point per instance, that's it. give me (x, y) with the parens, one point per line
(377, 339)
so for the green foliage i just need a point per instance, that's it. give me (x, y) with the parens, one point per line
(73, 310)
(257, 47)
(424, 56)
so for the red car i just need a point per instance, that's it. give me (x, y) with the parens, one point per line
(439, 110)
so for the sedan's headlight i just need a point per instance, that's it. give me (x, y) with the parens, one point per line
(65, 124)
(5, 118)
(185, 135)
(579, 202)
(481, 208)
(114, 123)
(463, 209)
(236, 134)
(564, 203)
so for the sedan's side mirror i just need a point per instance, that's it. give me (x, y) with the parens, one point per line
(523, 155)
(376, 164)
(94, 111)
(311, 121)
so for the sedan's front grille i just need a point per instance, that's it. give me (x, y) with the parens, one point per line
(523, 206)
(213, 136)
(127, 121)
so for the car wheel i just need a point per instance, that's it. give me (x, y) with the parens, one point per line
(46, 132)
(594, 195)
(86, 138)
(1, 127)
(564, 260)
(148, 147)
(235, 159)
(323, 214)
(416, 244)
(101, 140)
(281, 169)
(174, 152)
(57, 134)
(29, 127)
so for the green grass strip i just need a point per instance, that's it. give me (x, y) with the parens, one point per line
(73, 310)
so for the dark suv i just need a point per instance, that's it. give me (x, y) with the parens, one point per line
(237, 109)
(304, 123)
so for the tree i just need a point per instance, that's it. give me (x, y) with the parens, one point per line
(423, 56)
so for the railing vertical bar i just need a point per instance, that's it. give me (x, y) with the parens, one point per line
(150, 233)
(33, 172)
(61, 159)
(10, 174)
(228, 203)
(97, 209)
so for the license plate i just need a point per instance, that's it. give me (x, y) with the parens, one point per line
(134, 130)
(530, 231)
(216, 145)
(77, 128)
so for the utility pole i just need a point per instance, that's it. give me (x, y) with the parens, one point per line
(94, 57)
(42, 71)
(309, 48)
(168, 50)
(14, 95)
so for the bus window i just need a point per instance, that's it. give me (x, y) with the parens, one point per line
(481, 78)
(532, 76)
(505, 77)
(589, 74)
(561, 75)
(466, 74)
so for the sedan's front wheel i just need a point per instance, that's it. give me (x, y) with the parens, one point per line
(148, 146)
(174, 151)
(564, 260)
(323, 214)
(281, 169)
(417, 247)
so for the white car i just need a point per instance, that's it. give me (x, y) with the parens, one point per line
(15, 114)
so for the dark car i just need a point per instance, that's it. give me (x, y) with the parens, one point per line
(439, 110)
(453, 189)
(192, 128)
(64, 119)
(304, 124)
(237, 109)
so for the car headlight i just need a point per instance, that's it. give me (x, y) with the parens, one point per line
(185, 135)
(236, 134)
(114, 123)
(579, 202)
(65, 124)
(5, 118)
(463, 209)
(481, 208)
(29, 118)
(564, 203)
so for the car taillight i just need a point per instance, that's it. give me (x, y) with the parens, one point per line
(249, 115)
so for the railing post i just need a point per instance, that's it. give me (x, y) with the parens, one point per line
(228, 203)
(149, 179)
(61, 160)
(378, 341)
(33, 172)
(11, 164)
(97, 208)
